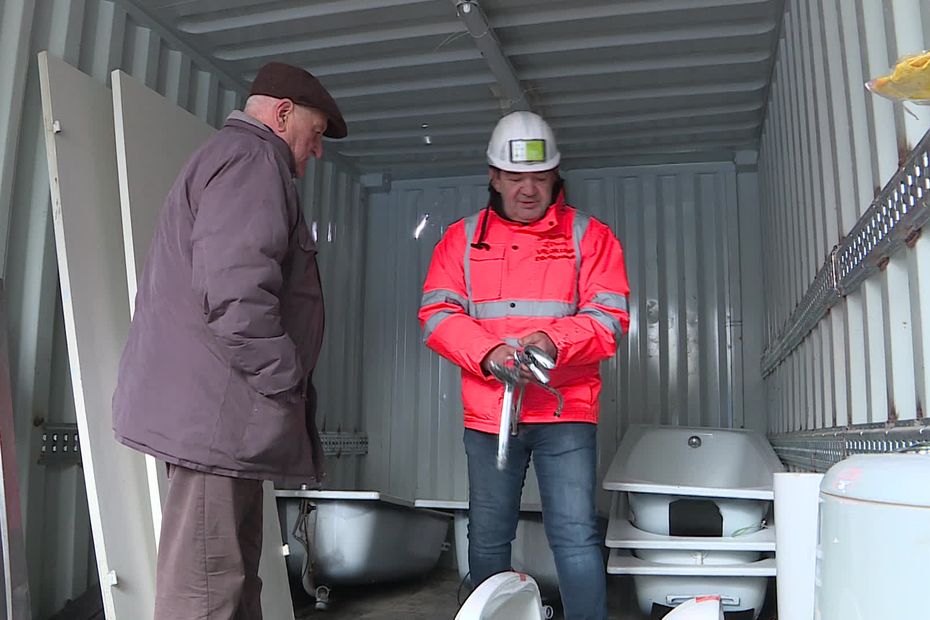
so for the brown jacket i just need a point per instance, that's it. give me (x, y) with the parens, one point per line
(229, 318)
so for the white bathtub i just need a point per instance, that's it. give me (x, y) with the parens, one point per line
(736, 593)
(657, 466)
(361, 537)
(702, 557)
(725, 462)
(650, 512)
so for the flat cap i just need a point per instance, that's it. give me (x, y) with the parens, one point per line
(283, 81)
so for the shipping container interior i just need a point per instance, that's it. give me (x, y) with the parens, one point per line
(768, 204)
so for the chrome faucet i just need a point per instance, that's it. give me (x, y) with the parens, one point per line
(539, 365)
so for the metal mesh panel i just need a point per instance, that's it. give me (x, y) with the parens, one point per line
(344, 444)
(821, 295)
(893, 220)
(890, 222)
(60, 445)
(819, 450)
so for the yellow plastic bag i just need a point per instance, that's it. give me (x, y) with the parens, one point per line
(908, 81)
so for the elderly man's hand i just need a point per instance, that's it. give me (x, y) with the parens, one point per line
(542, 341)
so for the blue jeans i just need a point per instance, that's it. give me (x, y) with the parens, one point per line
(565, 457)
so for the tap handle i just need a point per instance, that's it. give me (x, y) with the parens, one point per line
(538, 357)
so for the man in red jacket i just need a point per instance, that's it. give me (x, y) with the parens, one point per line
(530, 270)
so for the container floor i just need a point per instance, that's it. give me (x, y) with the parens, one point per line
(435, 597)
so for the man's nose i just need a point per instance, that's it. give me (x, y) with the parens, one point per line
(528, 189)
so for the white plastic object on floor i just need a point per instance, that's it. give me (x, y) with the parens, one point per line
(700, 608)
(504, 596)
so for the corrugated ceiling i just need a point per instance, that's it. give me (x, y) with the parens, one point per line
(621, 81)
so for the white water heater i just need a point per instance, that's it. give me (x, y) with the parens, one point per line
(873, 549)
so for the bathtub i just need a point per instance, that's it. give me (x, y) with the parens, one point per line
(740, 586)
(651, 512)
(736, 593)
(698, 462)
(688, 515)
(661, 465)
(360, 537)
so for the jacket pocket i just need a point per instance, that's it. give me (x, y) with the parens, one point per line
(486, 268)
(274, 433)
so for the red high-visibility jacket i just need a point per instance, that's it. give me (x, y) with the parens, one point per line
(563, 275)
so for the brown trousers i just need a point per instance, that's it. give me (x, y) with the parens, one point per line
(209, 548)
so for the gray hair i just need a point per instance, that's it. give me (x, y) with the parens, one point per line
(259, 104)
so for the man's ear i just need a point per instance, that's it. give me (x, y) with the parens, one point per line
(282, 113)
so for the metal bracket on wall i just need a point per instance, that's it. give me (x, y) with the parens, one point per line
(344, 444)
(893, 221)
(60, 445)
(820, 449)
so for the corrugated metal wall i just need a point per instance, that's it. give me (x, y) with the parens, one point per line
(680, 364)
(827, 147)
(335, 205)
(98, 36)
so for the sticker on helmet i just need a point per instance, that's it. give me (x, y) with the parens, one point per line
(527, 151)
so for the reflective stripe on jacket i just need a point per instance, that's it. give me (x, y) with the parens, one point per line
(563, 275)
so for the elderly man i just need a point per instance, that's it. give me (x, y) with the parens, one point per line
(228, 324)
(530, 270)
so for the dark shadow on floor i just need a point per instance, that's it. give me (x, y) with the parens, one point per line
(434, 597)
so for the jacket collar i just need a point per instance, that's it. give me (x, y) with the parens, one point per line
(241, 120)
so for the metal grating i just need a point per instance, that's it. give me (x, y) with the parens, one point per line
(60, 445)
(821, 295)
(894, 219)
(819, 450)
(344, 444)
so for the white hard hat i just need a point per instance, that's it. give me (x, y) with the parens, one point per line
(523, 142)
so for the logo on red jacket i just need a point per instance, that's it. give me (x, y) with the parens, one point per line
(555, 250)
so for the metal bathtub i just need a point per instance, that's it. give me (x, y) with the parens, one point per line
(358, 537)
